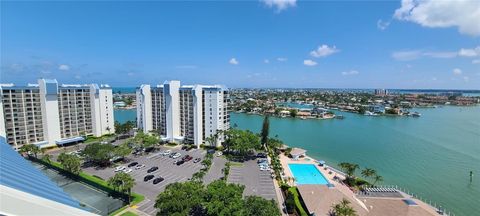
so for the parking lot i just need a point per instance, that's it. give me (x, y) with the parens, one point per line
(166, 169)
(259, 183)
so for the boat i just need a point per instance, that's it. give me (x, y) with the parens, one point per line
(416, 114)
(339, 117)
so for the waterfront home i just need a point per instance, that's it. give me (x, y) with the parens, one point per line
(296, 153)
(376, 108)
(284, 113)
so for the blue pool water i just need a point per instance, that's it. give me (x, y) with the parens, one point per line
(307, 174)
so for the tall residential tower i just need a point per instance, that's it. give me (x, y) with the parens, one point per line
(48, 114)
(183, 114)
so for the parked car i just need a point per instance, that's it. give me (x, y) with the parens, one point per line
(180, 162)
(148, 177)
(139, 166)
(261, 155)
(150, 149)
(152, 169)
(265, 168)
(211, 151)
(158, 180)
(176, 155)
(166, 152)
(129, 170)
(184, 147)
(259, 161)
(119, 168)
(219, 154)
(187, 158)
(197, 160)
(132, 164)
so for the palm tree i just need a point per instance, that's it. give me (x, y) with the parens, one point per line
(377, 178)
(367, 172)
(122, 182)
(349, 168)
(343, 209)
(47, 158)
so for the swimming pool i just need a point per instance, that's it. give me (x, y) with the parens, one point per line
(307, 174)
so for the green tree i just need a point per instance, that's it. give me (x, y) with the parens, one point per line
(242, 141)
(293, 113)
(99, 154)
(361, 110)
(367, 173)
(265, 131)
(257, 206)
(70, 163)
(180, 198)
(122, 182)
(343, 209)
(290, 202)
(47, 158)
(223, 198)
(122, 150)
(349, 168)
(377, 178)
(30, 149)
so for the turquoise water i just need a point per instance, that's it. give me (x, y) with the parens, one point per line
(123, 116)
(430, 155)
(307, 174)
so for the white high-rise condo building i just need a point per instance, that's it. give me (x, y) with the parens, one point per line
(48, 114)
(184, 114)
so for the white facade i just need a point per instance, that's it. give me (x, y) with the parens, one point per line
(47, 113)
(182, 113)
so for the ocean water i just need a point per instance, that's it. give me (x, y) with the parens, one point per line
(431, 155)
(123, 116)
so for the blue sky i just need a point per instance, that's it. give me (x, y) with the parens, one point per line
(268, 43)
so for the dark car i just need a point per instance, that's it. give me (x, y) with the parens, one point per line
(211, 151)
(197, 160)
(184, 147)
(188, 158)
(148, 177)
(158, 180)
(261, 155)
(149, 149)
(132, 164)
(180, 162)
(152, 169)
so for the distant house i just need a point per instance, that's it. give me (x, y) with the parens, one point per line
(119, 104)
(376, 108)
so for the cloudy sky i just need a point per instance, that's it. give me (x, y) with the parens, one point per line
(268, 43)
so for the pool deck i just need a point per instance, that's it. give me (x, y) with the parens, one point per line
(319, 198)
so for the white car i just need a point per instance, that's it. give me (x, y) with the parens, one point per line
(127, 170)
(166, 152)
(264, 168)
(139, 166)
(219, 154)
(119, 168)
(177, 155)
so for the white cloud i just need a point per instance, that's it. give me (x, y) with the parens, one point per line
(130, 74)
(434, 79)
(466, 78)
(323, 51)
(476, 61)
(406, 55)
(282, 59)
(457, 71)
(279, 5)
(233, 61)
(351, 72)
(464, 14)
(78, 77)
(266, 61)
(470, 52)
(64, 67)
(382, 25)
(309, 62)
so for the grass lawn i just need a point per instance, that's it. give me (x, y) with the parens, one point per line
(128, 213)
(236, 164)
